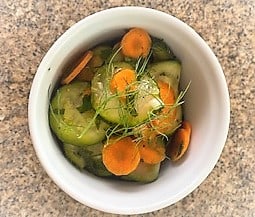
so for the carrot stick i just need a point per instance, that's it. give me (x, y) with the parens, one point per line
(151, 153)
(136, 43)
(87, 57)
(121, 80)
(179, 144)
(121, 157)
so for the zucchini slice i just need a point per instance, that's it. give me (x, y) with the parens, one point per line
(96, 166)
(130, 113)
(160, 50)
(69, 123)
(168, 71)
(74, 155)
(144, 173)
(89, 158)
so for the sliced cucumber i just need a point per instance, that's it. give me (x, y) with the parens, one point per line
(68, 123)
(144, 173)
(108, 105)
(74, 155)
(116, 55)
(95, 149)
(160, 50)
(146, 101)
(95, 165)
(100, 54)
(112, 108)
(169, 71)
(88, 158)
(171, 68)
(72, 93)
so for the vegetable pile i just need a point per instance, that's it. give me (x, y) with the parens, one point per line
(118, 112)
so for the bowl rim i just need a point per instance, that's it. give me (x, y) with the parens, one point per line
(32, 115)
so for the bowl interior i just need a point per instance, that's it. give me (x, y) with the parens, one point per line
(206, 107)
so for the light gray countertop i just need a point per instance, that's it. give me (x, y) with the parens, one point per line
(27, 30)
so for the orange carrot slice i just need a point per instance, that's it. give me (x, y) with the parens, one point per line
(179, 144)
(168, 114)
(151, 153)
(122, 80)
(187, 126)
(166, 93)
(121, 157)
(87, 57)
(136, 43)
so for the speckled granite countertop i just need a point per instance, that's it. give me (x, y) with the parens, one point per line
(29, 27)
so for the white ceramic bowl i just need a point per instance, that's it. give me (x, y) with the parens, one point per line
(206, 106)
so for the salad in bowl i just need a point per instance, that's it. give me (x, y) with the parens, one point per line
(118, 111)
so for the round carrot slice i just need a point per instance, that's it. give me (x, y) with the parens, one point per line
(122, 80)
(121, 157)
(166, 93)
(186, 125)
(165, 120)
(179, 144)
(136, 43)
(152, 153)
